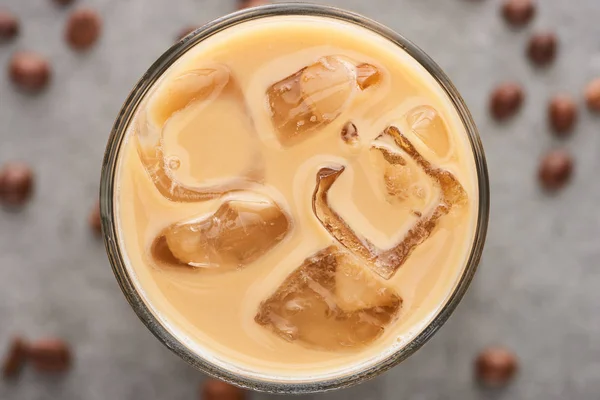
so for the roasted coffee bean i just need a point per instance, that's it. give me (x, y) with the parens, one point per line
(562, 114)
(29, 71)
(95, 220)
(9, 25)
(50, 355)
(542, 48)
(186, 31)
(592, 95)
(495, 366)
(555, 169)
(251, 3)
(83, 29)
(63, 2)
(518, 12)
(15, 358)
(506, 100)
(16, 183)
(214, 389)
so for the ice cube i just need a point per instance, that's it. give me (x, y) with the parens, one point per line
(349, 133)
(404, 181)
(453, 192)
(316, 95)
(430, 128)
(330, 302)
(407, 181)
(162, 255)
(367, 75)
(201, 88)
(203, 84)
(332, 221)
(238, 233)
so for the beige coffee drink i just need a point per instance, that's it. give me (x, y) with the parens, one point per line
(296, 197)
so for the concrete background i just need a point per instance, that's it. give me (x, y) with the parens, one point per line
(538, 288)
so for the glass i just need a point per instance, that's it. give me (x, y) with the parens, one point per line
(107, 191)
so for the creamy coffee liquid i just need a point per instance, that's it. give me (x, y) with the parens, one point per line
(296, 198)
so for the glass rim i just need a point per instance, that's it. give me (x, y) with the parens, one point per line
(107, 190)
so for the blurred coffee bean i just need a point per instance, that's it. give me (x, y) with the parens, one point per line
(495, 366)
(542, 48)
(592, 95)
(63, 2)
(506, 100)
(50, 355)
(251, 3)
(9, 25)
(15, 358)
(83, 28)
(29, 71)
(214, 389)
(555, 169)
(95, 220)
(562, 114)
(518, 12)
(186, 31)
(16, 184)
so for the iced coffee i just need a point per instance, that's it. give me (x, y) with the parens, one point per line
(296, 197)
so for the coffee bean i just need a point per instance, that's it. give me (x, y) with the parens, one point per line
(562, 114)
(63, 2)
(495, 366)
(518, 12)
(251, 3)
(95, 220)
(29, 71)
(50, 355)
(186, 31)
(350, 133)
(214, 389)
(506, 100)
(16, 183)
(83, 29)
(542, 48)
(15, 358)
(555, 170)
(9, 25)
(592, 95)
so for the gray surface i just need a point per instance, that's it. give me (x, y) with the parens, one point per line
(537, 290)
